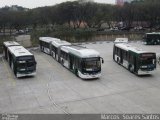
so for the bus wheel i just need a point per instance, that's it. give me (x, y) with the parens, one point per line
(118, 61)
(76, 72)
(62, 62)
(131, 68)
(15, 73)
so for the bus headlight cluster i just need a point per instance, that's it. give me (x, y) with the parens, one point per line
(21, 61)
(143, 66)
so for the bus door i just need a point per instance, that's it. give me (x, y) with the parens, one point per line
(71, 59)
(135, 63)
(121, 56)
(50, 47)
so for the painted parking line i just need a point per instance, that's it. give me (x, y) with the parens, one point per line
(51, 77)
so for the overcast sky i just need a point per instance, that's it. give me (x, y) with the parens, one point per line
(39, 3)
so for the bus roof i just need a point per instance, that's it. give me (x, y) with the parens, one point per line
(128, 47)
(60, 43)
(48, 39)
(121, 40)
(80, 51)
(11, 43)
(153, 33)
(18, 51)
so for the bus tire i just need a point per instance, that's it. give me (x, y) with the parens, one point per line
(15, 73)
(62, 62)
(130, 68)
(76, 72)
(118, 61)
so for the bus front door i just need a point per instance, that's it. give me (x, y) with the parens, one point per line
(70, 62)
(135, 64)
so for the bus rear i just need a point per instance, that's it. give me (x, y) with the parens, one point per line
(147, 63)
(25, 66)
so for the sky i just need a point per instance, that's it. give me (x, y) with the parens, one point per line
(40, 3)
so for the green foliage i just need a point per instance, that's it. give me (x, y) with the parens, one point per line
(79, 19)
(86, 14)
(3, 39)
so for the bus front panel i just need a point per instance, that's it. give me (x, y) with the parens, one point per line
(90, 68)
(147, 62)
(26, 65)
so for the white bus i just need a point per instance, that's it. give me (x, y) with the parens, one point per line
(85, 63)
(21, 61)
(135, 60)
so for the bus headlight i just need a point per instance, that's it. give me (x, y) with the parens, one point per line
(143, 66)
(21, 61)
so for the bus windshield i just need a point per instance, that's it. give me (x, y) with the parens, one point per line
(25, 62)
(152, 38)
(25, 58)
(92, 64)
(147, 59)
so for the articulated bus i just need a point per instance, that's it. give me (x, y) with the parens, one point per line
(85, 63)
(21, 61)
(152, 38)
(135, 60)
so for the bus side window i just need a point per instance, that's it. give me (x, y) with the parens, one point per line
(116, 50)
(129, 57)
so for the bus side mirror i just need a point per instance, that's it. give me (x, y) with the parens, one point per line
(102, 60)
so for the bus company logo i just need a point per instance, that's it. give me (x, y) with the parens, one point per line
(9, 117)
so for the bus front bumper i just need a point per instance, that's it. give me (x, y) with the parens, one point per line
(25, 74)
(140, 72)
(89, 76)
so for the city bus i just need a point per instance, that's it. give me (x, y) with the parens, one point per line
(21, 61)
(135, 60)
(84, 62)
(152, 38)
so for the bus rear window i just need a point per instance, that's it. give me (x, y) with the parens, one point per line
(25, 58)
(30, 64)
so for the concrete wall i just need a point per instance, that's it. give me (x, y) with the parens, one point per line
(24, 40)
